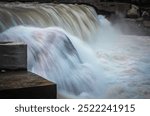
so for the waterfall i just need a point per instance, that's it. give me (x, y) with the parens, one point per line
(79, 20)
(80, 51)
(60, 57)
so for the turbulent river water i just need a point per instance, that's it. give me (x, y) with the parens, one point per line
(80, 51)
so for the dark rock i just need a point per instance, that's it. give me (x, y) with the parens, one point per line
(146, 15)
(133, 12)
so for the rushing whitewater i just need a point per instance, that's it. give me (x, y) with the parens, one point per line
(52, 55)
(78, 50)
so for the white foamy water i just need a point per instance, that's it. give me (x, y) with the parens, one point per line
(110, 65)
(57, 56)
(128, 64)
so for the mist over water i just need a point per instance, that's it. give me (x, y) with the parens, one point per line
(79, 50)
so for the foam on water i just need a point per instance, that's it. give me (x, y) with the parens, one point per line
(52, 55)
(110, 65)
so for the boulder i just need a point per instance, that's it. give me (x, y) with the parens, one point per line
(133, 12)
(146, 15)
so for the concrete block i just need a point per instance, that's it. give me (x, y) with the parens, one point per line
(13, 56)
(25, 85)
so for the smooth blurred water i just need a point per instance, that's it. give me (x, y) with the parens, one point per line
(61, 58)
(78, 20)
(107, 64)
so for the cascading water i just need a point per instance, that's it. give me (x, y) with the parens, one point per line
(80, 51)
(52, 55)
(79, 20)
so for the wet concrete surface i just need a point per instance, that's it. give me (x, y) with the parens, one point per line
(25, 85)
(13, 56)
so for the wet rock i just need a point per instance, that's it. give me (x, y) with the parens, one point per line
(146, 15)
(133, 12)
